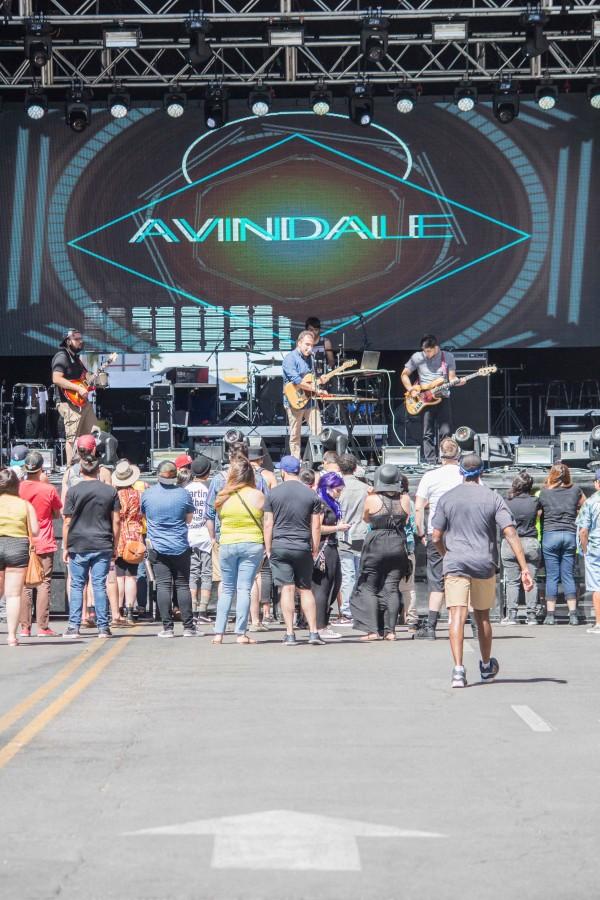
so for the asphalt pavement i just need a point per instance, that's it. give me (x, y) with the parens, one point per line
(150, 769)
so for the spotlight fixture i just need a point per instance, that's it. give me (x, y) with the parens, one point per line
(259, 101)
(465, 96)
(405, 99)
(533, 22)
(361, 104)
(374, 38)
(119, 102)
(198, 28)
(285, 35)
(466, 439)
(506, 101)
(334, 440)
(321, 101)
(546, 95)
(77, 108)
(38, 43)
(36, 104)
(593, 94)
(174, 103)
(596, 29)
(121, 38)
(215, 106)
(453, 30)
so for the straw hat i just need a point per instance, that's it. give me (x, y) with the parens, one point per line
(125, 474)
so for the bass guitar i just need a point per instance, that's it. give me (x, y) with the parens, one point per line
(89, 381)
(429, 394)
(298, 396)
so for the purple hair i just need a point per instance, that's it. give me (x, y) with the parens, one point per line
(328, 482)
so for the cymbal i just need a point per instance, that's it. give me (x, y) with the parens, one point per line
(267, 361)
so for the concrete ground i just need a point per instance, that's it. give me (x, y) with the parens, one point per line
(139, 768)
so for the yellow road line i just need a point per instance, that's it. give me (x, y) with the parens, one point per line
(14, 714)
(26, 735)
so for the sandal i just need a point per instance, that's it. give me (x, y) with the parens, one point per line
(368, 637)
(218, 639)
(121, 622)
(12, 642)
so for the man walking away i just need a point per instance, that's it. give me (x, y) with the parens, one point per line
(90, 540)
(589, 541)
(352, 505)
(464, 533)
(199, 539)
(292, 526)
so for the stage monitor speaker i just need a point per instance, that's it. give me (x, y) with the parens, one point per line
(158, 456)
(256, 442)
(268, 393)
(313, 452)
(402, 456)
(471, 404)
(212, 450)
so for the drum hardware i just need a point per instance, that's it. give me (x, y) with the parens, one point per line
(30, 402)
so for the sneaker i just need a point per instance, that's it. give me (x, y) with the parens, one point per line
(104, 632)
(166, 633)
(510, 619)
(190, 632)
(426, 633)
(71, 633)
(549, 620)
(490, 671)
(574, 618)
(46, 632)
(345, 622)
(314, 637)
(289, 640)
(25, 631)
(531, 619)
(259, 627)
(595, 629)
(459, 677)
(203, 619)
(328, 634)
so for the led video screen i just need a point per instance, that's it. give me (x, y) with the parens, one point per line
(153, 233)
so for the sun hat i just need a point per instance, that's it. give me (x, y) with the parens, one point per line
(125, 474)
(388, 478)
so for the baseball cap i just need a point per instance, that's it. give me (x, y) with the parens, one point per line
(18, 454)
(86, 442)
(290, 464)
(167, 473)
(201, 466)
(34, 461)
(183, 460)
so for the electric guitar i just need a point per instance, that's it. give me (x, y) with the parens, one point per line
(429, 393)
(298, 397)
(89, 381)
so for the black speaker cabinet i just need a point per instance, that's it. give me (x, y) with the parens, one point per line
(313, 452)
(471, 403)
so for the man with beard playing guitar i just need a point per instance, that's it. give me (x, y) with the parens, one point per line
(68, 375)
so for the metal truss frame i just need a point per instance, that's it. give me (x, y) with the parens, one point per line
(241, 55)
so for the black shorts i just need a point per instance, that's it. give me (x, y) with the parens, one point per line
(14, 553)
(125, 568)
(292, 567)
(435, 574)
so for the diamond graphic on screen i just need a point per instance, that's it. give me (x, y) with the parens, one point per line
(299, 224)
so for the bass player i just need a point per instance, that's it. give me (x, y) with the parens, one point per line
(298, 368)
(68, 374)
(432, 364)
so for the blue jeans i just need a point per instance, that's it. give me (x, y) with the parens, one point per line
(80, 566)
(350, 561)
(559, 558)
(239, 565)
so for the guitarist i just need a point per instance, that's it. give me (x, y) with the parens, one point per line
(432, 365)
(67, 373)
(298, 368)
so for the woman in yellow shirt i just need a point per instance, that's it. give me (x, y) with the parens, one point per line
(17, 522)
(240, 508)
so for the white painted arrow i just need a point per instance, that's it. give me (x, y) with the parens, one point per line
(284, 839)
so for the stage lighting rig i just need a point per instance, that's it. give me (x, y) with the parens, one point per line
(546, 95)
(361, 104)
(593, 94)
(215, 106)
(506, 101)
(466, 439)
(198, 28)
(405, 99)
(374, 38)
(321, 100)
(533, 22)
(119, 102)
(453, 30)
(77, 108)
(259, 101)
(334, 440)
(36, 104)
(465, 96)
(286, 34)
(174, 103)
(38, 43)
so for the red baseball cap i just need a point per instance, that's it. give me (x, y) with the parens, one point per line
(183, 460)
(86, 442)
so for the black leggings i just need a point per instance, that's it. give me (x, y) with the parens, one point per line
(169, 571)
(326, 585)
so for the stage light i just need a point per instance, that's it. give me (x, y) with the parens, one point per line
(405, 99)
(215, 106)
(546, 95)
(466, 438)
(596, 29)
(119, 102)
(121, 38)
(593, 94)
(454, 30)
(36, 104)
(77, 109)
(506, 101)
(374, 38)
(174, 104)
(38, 43)
(533, 22)
(321, 101)
(595, 444)
(198, 28)
(361, 104)
(259, 102)
(285, 35)
(334, 440)
(465, 96)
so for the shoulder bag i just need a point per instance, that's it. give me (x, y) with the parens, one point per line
(34, 573)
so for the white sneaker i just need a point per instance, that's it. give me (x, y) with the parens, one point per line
(166, 633)
(595, 629)
(328, 634)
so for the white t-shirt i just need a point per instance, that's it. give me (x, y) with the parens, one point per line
(198, 536)
(434, 484)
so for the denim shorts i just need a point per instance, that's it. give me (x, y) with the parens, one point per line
(14, 553)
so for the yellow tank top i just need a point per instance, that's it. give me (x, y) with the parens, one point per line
(13, 516)
(237, 524)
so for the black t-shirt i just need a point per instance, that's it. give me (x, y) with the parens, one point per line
(69, 366)
(90, 504)
(560, 507)
(524, 510)
(293, 505)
